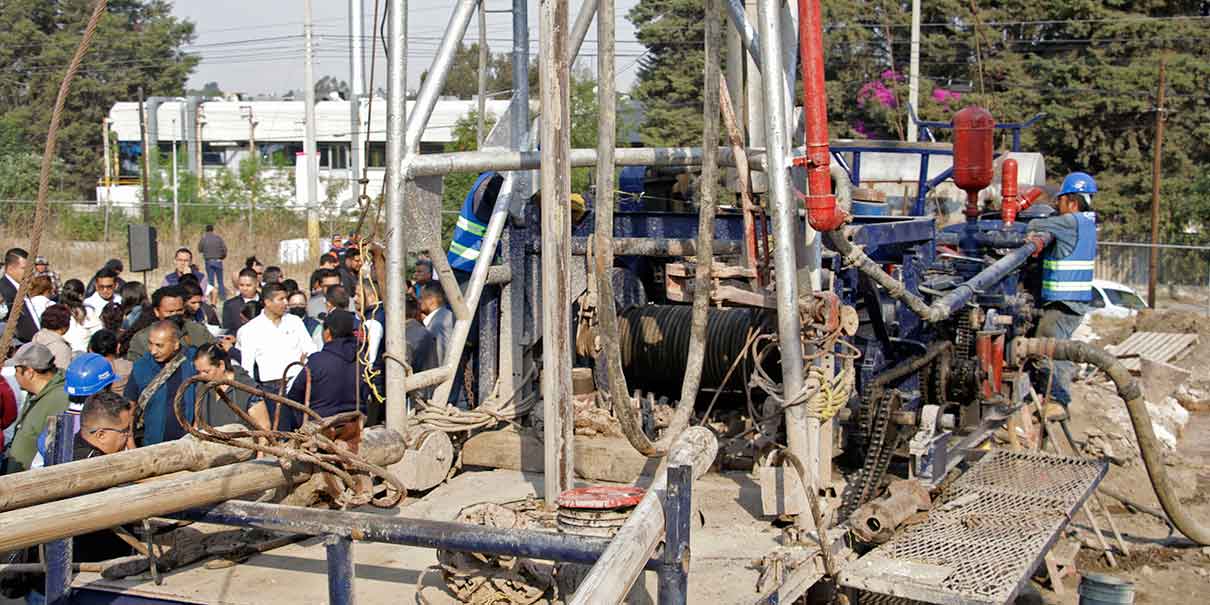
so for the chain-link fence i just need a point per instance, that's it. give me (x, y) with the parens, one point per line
(1183, 272)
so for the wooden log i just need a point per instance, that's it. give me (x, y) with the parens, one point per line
(60, 481)
(615, 572)
(83, 514)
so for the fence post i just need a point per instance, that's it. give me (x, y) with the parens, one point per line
(674, 573)
(340, 570)
(59, 553)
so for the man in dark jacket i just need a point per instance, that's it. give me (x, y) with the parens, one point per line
(155, 380)
(249, 288)
(336, 381)
(16, 263)
(214, 251)
(350, 270)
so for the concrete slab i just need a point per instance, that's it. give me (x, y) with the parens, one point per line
(728, 533)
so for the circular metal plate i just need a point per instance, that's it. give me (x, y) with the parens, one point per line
(601, 497)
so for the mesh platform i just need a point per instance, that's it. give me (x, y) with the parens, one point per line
(985, 534)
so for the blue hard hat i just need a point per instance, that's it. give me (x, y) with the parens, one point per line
(88, 374)
(1078, 182)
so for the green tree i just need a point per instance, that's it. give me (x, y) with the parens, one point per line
(669, 81)
(463, 79)
(138, 43)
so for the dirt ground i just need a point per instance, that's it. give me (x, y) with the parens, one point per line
(1164, 566)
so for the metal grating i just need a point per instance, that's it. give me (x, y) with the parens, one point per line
(985, 534)
(1156, 346)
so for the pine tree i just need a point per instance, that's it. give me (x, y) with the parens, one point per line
(669, 81)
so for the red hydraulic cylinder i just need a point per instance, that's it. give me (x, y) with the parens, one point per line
(1028, 198)
(1008, 192)
(822, 212)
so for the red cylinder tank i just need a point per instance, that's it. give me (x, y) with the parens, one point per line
(974, 128)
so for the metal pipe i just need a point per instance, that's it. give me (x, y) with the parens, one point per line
(678, 516)
(310, 153)
(440, 164)
(406, 531)
(396, 346)
(481, 123)
(438, 73)
(645, 246)
(474, 287)
(822, 213)
(785, 223)
(579, 30)
(558, 416)
(1008, 191)
(356, 90)
(735, 10)
(340, 569)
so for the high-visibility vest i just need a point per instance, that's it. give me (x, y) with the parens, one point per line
(1070, 277)
(468, 232)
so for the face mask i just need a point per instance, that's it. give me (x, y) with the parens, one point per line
(298, 311)
(179, 320)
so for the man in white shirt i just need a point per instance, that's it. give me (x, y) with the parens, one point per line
(273, 340)
(106, 283)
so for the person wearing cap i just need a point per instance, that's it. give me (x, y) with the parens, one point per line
(37, 375)
(1067, 268)
(42, 268)
(86, 375)
(335, 370)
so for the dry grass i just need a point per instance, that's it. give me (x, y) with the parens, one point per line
(80, 259)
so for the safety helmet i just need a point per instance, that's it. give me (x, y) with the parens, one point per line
(88, 374)
(579, 207)
(1078, 182)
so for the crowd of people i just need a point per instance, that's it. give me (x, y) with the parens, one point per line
(115, 351)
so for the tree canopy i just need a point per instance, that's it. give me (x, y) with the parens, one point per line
(138, 43)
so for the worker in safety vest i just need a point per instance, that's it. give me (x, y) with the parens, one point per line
(1067, 267)
(475, 213)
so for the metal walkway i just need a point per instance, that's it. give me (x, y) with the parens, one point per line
(985, 535)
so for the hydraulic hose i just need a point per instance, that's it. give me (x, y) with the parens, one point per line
(945, 306)
(1130, 391)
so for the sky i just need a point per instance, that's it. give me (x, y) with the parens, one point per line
(257, 47)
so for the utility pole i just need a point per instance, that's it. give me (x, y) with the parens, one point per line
(254, 157)
(481, 125)
(108, 171)
(914, 73)
(146, 166)
(309, 142)
(393, 192)
(1156, 156)
(197, 136)
(356, 90)
(176, 207)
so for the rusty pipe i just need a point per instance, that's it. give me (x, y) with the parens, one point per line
(1008, 192)
(822, 212)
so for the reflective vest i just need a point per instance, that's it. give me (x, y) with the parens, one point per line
(468, 232)
(1070, 278)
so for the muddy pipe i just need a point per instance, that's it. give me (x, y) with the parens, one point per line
(1130, 391)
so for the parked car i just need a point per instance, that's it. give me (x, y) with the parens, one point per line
(1111, 299)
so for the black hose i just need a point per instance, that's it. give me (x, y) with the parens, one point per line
(1129, 390)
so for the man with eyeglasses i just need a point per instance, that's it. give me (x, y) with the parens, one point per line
(104, 426)
(106, 284)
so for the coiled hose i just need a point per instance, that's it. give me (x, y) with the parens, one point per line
(1130, 391)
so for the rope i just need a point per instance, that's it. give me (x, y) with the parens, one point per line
(309, 444)
(48, 154)
(491, 412)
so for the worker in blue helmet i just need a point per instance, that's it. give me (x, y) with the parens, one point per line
(86, 375)
(1067, 268)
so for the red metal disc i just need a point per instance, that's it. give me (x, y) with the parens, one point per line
(600, 497)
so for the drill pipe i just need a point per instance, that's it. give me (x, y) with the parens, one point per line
(1130, 392)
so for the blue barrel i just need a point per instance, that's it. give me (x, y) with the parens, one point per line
(1104, 589)
(861, 208)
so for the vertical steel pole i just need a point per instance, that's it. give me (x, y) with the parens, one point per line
(176, 206)
(340, 570)
(430, 90)
(579, 31)
(396, 402)
(914, 74)
(678, 511)
(785, 222)
(512, 305)
(59, 552)
(752, 102)
(481, 124)
(356, 90)
(309, 139)
(146, 167)
(108, 172)
(556, 250)
(1157, 153)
